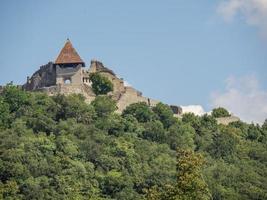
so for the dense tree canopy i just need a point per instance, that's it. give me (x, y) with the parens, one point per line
(63, 148)
(141, 111)
(220, 112)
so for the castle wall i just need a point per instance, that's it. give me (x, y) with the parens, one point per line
(118, 83)
(227, 120)
(131, 96)
(74, 75)
(85, 90)
(52, 80)
(44, 77)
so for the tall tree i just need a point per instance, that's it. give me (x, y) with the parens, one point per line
(165, 114)
(190, 184)
(141, 111)
(100, 84)
(104, 105)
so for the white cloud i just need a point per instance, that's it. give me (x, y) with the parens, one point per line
(196, 109)
(254, 12)
(244, 97)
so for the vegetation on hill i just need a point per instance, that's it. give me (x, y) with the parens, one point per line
(101, 85)
(62, 148)
(220, 112)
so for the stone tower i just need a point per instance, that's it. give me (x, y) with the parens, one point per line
(69, 66)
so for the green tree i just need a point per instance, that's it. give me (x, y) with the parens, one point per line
(63, 148)
(220, 112)
(104, 105)
(141, 111)
(15, 97)
(131, 124)
(225, 142)
(242, 126)
(189, 177)
(254, 132)
(193, 120)
(4, 113)
(113, 124)
(208, 122)
(264, 125)
(9, 190)
(180, 136)
(165, 114)
(190, 184)
(101, 85)
(154, 131)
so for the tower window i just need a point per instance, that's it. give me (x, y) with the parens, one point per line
(67, 81)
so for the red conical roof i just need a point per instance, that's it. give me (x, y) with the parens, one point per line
(68, 55)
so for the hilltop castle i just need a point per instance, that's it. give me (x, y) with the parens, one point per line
(69, 74)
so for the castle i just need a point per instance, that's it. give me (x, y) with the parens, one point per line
(69, 74)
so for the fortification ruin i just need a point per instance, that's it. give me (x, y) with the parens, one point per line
(69, 74)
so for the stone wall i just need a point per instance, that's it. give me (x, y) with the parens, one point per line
(44, 77)
(97, 66)
(132, 96)
(74, 75)
(118, 83)
(83, 89)
(227, 120)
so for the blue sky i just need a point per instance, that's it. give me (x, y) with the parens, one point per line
(178, 51)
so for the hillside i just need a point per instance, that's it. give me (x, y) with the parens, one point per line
(60, 147)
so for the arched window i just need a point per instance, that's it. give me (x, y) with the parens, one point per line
(67, 81)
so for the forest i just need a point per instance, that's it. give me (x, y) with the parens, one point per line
(60, 147)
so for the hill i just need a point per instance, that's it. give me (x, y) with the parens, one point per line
(60, 147)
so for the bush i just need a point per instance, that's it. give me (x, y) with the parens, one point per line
(100, 84)
(104, 105)
(220, 112)
(141, 111)
(165, 114)
(154, 131)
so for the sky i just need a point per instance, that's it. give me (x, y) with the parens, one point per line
(182, 52)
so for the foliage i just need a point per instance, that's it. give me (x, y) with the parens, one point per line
(189, 181)
(220, 112)
(101, 85)
(154, 131)
(224, 143)
(264, 125)
(189, 178)
(4, 113)
(104, 105)
(141, 111)
(165, 114)
(180, 136)
(61, 147)
(15, 97)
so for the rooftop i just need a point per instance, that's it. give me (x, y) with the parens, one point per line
(68, 55)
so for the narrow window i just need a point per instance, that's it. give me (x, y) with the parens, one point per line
(67, 81)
